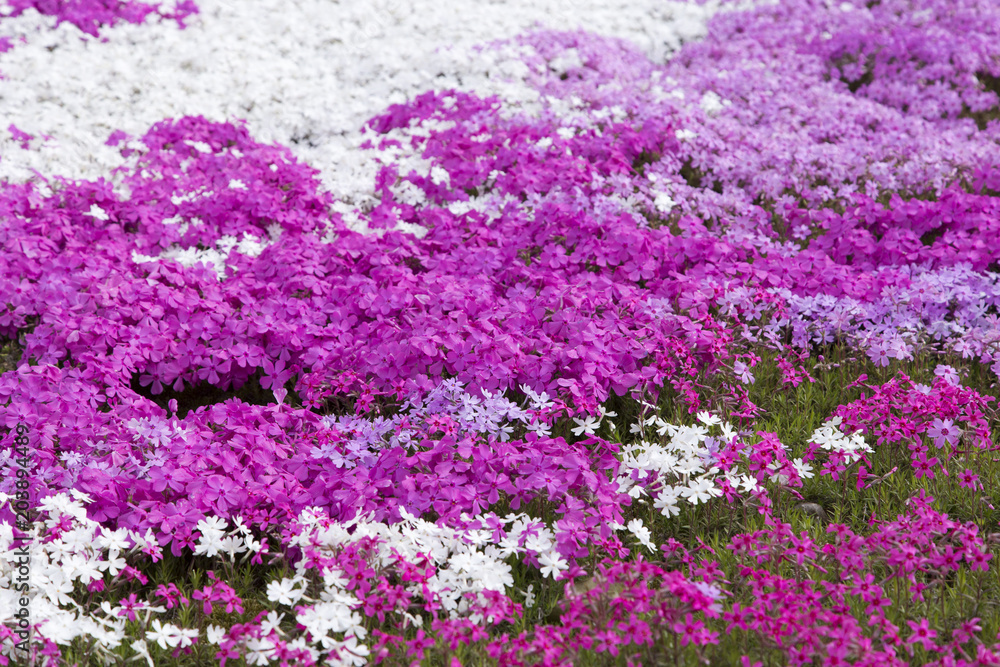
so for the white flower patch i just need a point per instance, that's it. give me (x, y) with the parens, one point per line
(440, 176)
(214, 257)
(466, 561)
(305, 74)
(712, 104)
(97, 213)
(664, 203)
(567, 60)
(83, 553)
(678, 466)
(830, 437)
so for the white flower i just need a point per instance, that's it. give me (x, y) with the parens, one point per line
(641, 533)
(215, 634)
(542, 401)
(688, 465)
(712, 103)
(687, 438)
(588, 426)
(139, 646)
(700, 490)
(77, 540)
(509, 546)
(85, 570)
(664, 203)
(186, 636)
(749, 483)
(81, 496)
(145, 541)
(283, 592)
(440, 176)
(56, 505)
(114, 565)
(166, 635)
(58, 589)
(334, 579)
(541, 429)
(208, 544)
(727, 432)
(552, 564)
(666, 501)
(97, 212)
(115, 540)
(803, 469)
(539, 543)
(708, 419)
(776, 468)
(272, 622)
(258, 650)
(353, 652)
(328, 616)
(232, 545)
(212, 524)
(252, 544)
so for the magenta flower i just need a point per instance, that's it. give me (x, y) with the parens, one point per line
(968, 479)
(801, 549)
(924, 467)
(129, 607)
(978, 559)
(922, 634)
(689, 630)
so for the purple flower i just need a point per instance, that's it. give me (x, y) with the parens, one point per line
(943, 432)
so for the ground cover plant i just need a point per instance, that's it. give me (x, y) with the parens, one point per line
(677, 346)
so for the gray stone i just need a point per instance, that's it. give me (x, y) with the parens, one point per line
(814, 510)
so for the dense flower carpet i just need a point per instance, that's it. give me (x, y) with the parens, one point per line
(514, 333)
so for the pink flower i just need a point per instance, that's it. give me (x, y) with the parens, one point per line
(690, 630)
(968, 479)
(923, 466)
(923, 634)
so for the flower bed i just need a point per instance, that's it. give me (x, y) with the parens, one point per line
(599, 356)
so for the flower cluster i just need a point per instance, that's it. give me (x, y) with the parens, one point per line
(89, 16)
